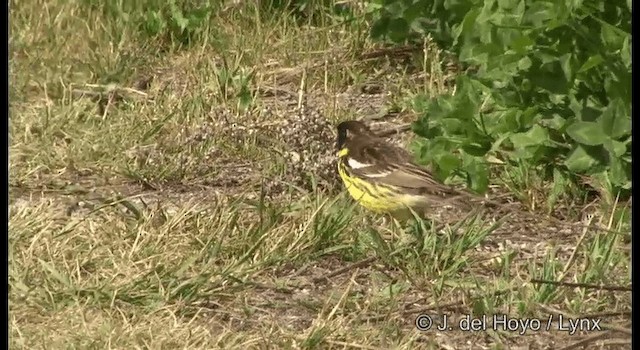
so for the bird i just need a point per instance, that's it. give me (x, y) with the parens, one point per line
(383, 178)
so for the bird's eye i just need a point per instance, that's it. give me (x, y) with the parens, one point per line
(342, 138)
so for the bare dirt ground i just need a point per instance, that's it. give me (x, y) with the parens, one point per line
(156, 213)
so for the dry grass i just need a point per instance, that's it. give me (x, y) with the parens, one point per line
(142, 167)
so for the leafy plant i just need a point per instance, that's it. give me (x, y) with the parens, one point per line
(182, 22)
(307, 11)
(550, 85)
(234, 82)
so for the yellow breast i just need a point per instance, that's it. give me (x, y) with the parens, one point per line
(375, 198)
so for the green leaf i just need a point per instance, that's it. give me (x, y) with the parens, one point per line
(530, 144)
(587, 133)
(452, 126)
(579, 161)
(447, 163)
(441, 144)
(179, 18)
(620, 173)
(476, 149)
(550, 77)
(555, 122)
(380, 28)
(539, 14)
(478, 174)
(508, 4)
(467, 26)
(522, 44)
(524, 63)
(535, 136)
(565, 64)
(617, 83)
(559, 187)
(615, 148)
(398, 29)
(245, 97)
(614, 122)
(625, 53)
(612, 37)
(592, 62)
(154, 23)
(421, 150)
(498, 143)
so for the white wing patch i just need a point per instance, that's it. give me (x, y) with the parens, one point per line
(382, 174)
(354, 164)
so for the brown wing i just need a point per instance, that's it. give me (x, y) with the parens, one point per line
(394, 166)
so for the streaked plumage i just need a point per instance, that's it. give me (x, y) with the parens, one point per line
(383, 177)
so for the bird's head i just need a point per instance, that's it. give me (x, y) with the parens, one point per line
(350, 129)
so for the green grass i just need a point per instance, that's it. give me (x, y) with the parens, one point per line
(136, 218)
